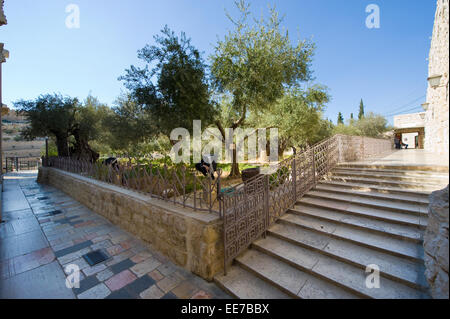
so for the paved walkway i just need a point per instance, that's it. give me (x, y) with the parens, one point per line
(45, 231)
(405, 157)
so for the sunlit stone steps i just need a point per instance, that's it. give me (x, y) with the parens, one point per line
(387, 244)
(408, 198)
(384, 203)
(357, 216)
(245, 285)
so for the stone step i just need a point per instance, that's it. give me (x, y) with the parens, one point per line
(389, 183)
(392, 177)
(403, 232)
(341, 274)
(395, 172)
(291, 280)
(320, 237)
(242, 284)
(397, 198)
(429, 168)
(385, 204)
(386, 244)
(369, 212)
(423, 195)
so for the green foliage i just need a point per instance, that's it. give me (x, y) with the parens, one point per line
(371, 125)
(66, 120)
(297, 115)
(279, 177)
(346, 130)
(253, 65)
(180, 94)
(340, 119)
(361, 110)
(49, 115)
(52, 150)
(90, 119)
(129, 125)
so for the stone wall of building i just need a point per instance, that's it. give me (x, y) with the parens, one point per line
(436, 244)
(409, 120)
(191, 239)
(437, 114)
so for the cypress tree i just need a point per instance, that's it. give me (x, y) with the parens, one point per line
(340, 119)
(361, 110)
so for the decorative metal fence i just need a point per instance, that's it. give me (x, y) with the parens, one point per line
(21, 163)
(247, 209)
(178, 184)
(250, 208)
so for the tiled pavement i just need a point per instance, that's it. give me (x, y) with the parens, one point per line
(45, 231)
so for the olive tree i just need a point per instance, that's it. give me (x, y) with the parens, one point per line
(254, 64)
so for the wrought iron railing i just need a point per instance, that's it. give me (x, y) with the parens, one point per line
(247, 209)
(250, 208)
(178, 184)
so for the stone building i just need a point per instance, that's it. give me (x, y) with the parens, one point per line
(436, 106)
(411, 129)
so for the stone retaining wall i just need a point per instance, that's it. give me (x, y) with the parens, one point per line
(436, 244)
(358, 148)
(191, 239)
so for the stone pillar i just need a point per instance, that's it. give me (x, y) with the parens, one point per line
(436, 244)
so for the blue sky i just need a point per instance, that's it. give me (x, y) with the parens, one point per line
(387, 67)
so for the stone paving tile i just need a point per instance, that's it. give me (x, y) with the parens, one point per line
(156, 275)
(169, 295)
(102, 244)
(89, 271)
(145, 267)
(33, 260)
(73, 256)
(202, 295)
(167, 269)
(6, 268)
(121, 266)
(120, 280)
(99, 238)
(139, 285)
(135, 269)
(152, 293)
(185, 290)
(118, 258)
(85, 284)
(73, 248)
(140, 257)
(170, 282)
(121, 294)
(80, 262)
(105, 274)
(114, 250)
(97, 292)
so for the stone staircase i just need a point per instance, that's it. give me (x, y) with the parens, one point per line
(359, 215)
